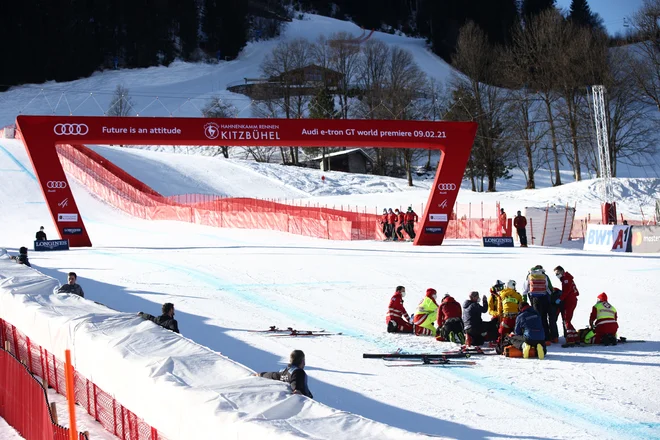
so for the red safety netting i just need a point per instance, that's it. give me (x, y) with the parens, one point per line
(114, 417)
(124, 192)
(24, 402)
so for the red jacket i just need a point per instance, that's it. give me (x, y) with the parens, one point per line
(392, 218)
(411, 216)
(396, 311)
(449, 308)
(402, 217)
(384, 218)
(519, 221)
(569, 290)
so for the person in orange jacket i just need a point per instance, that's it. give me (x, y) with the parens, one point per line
(503, 222)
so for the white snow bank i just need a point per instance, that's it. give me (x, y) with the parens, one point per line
(177, 386)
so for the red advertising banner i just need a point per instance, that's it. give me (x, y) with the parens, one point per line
(40, 134)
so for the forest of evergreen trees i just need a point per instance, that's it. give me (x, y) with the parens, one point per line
(67, 40)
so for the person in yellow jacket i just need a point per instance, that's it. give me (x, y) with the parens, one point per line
(493, 309)
(426, 314)
(509, 308)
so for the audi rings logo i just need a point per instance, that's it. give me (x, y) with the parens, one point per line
(71, 129)
(56, 184)
(447, 187)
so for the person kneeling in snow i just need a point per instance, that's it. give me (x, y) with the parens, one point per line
(475, 329)
(528, 332)
(450, 321)
(166, 320)
(426, 314)
(294, 374)
(397, 319)
(603, 323)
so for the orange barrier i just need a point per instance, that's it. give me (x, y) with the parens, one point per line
(111, 184)
(24, 403)
(31, 358)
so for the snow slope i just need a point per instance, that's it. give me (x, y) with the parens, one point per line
(224, 281)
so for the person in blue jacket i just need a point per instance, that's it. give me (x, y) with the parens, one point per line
(529, 332)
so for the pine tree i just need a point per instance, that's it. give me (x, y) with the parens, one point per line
(580, 13)
(187, 18)
(322, 106)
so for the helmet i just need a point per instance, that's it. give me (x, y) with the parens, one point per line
(499, 285)
(409, 208)
(385, 211)
(511, 285)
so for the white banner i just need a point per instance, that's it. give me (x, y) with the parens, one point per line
(607, 238)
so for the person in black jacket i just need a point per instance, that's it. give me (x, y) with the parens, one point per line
(41, 235)
(475, 328)
(294, 374)
(166, 320)
(71, 286)
(22, 257)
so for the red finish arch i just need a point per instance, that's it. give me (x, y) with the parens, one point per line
(40, 134)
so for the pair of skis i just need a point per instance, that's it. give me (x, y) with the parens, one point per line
(400, 359)
(291, 332)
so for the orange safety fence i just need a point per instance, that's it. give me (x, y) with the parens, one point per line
(128, 194)
(24, 402)
(35, 360)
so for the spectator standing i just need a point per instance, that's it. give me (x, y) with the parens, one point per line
(41, 235)
(411, 219)
(520, 223)
(503, 222)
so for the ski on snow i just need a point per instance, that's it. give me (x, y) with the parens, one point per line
(290, 331)
(425, 362)
(621, 340)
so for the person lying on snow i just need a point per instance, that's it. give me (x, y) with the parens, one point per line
(294, 374)
(166, 320)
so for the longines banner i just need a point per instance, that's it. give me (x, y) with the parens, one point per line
(40, 134)
(645, 239)
(51, 245)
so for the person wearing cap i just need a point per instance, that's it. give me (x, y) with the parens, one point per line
(41, 235)
(567, 303)
(494, 305)
(509, 309)
(426, 314)
(520, 223)
(475, 329)
(528, 332)
(411, 219)
(397, 319)
(450, 321)
(603, 323)
(385, 219)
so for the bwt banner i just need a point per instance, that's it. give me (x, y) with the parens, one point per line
(498, 242)
(645, 239)
(51, 245)
(614, 238)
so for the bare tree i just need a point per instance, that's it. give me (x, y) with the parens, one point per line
(476, 58)
(121, 103)
(645, 55)
(344, 58)
(217, 108)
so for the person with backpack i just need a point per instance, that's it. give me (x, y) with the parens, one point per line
(509, 310)
(528, 332)
(450, 321)
(397, 319)
(475, 329)
(537, 290)
(411, 219)
(294, 374)
(426, 314)
(603, 323)
(568, 302)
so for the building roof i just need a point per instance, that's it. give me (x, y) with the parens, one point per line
(343, 153)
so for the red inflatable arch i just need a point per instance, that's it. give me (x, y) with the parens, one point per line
(40, 134)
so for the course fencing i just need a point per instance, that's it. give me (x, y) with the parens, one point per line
(28, 408)
(126, 193)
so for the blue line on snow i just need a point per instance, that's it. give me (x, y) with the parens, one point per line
(579, 415)
(17, 162)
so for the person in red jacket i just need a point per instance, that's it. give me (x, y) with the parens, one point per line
(411, 219)
(397, 319)
(401, 219)
(450, 321)
(385, 221)
(391, 219)
(567, 303)
(503, 222)
(603, 323)
(520, 223)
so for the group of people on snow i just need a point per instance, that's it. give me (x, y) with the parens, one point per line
(526, 319)
(393, 222)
